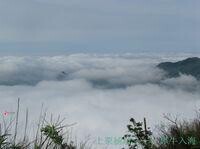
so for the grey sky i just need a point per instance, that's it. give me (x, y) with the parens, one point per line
(99, 26)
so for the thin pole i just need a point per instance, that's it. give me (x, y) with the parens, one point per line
(17, 116)
(26, 124)
(145, 125)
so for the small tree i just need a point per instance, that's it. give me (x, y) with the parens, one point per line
(138, 136)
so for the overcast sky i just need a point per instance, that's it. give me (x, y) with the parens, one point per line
(99, 25)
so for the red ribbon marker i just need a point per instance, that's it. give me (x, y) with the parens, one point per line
(6, 113)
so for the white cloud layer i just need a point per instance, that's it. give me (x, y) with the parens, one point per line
(99, 92)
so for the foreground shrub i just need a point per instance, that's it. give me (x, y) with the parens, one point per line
(179, 134)
(137, 135)
(174, 135)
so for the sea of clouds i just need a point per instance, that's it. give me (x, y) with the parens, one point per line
(100, 93)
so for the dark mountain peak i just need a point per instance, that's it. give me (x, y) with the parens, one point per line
(62, 75)
(189, 66)
(192, 59)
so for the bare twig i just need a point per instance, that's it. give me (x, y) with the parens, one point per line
(16, 124)
(26, 124)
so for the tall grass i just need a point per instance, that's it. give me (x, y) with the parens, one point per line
(180, 134)
(176, 134)
(50, 134)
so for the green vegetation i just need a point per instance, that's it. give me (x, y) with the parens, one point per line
(54, 135)
(175, 135)
(138, 136)
(49, 135)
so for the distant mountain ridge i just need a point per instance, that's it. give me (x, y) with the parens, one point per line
(189, 66)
